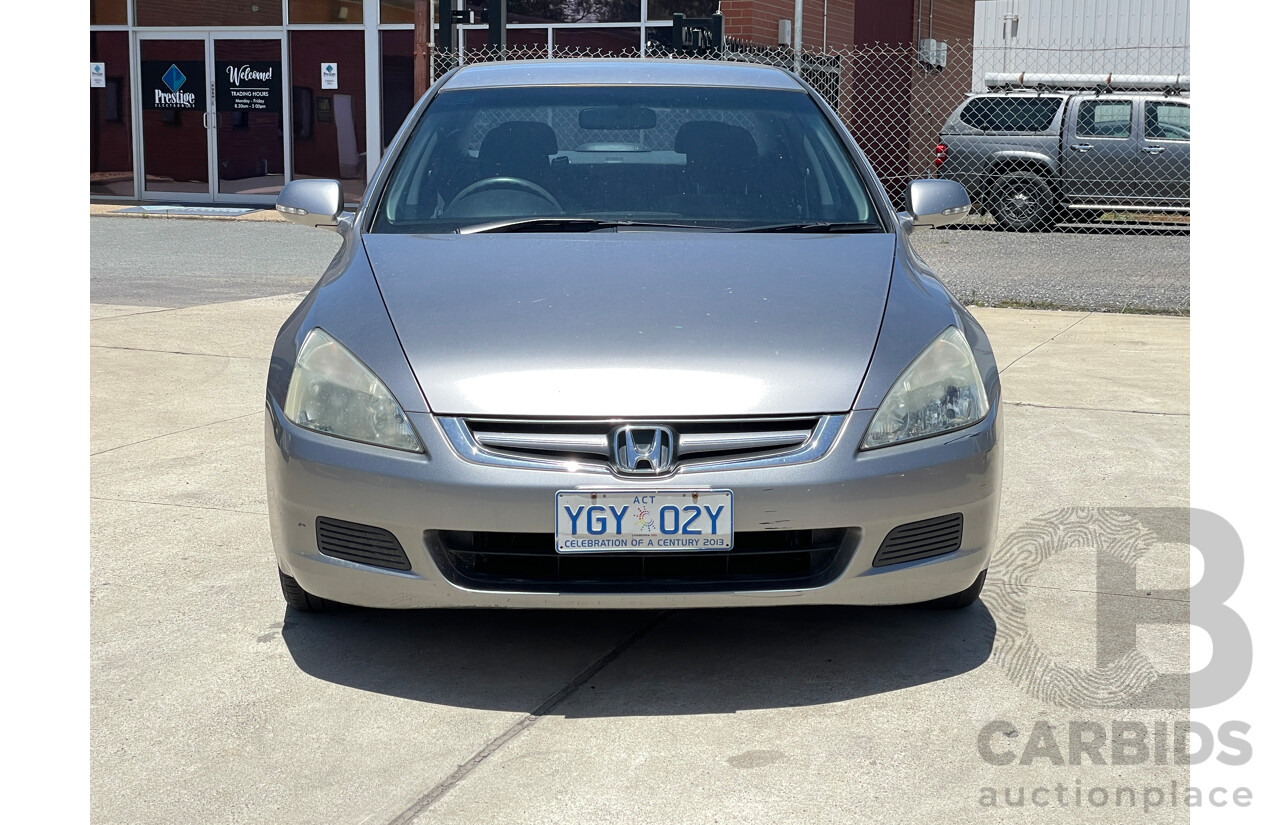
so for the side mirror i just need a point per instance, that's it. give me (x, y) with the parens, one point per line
(935, 202)
(311, 202)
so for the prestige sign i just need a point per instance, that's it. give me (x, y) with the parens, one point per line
(252, 86)
(173, 84)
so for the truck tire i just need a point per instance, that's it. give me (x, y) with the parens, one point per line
(1023, 202)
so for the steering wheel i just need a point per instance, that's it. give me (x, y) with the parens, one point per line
(506, 183)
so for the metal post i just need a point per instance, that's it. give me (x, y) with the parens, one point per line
(423, 71)
(497, 13)
(797, 39)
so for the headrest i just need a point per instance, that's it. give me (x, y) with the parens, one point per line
(518, 139)
(715, 140)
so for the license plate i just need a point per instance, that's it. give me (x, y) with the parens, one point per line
(645, 521)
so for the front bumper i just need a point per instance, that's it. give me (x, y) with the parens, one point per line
(413, 496)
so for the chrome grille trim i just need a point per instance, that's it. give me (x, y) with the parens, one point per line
(499, 442)
(548, 442)
(725, 442)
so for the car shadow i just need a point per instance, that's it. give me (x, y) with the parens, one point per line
(655, 662)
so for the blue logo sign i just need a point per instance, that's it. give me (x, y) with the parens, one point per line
(174, 78)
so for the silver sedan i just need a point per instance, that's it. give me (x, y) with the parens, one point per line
(629, 334)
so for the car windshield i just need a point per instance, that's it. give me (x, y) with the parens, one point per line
(586, 158)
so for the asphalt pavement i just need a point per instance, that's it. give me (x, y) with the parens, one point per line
(174, 262)
(1070, 268)
(210, 701)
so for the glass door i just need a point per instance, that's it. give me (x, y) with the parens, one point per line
(213, 116)
(249, 113)
(174, 93)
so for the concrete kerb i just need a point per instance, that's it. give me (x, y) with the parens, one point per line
(116, 210)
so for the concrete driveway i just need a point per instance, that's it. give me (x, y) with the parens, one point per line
(210, 702)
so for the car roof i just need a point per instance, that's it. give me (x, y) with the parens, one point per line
(631, 71)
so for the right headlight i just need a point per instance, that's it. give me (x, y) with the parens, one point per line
(940, 391)
(332, 392)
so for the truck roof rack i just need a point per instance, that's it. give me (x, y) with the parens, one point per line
(1033, 81)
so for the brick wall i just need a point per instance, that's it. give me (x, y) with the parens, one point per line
(756, 21)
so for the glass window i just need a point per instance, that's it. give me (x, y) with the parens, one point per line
(703, 158)
(567, 11)
(326, 11)
(1168, 121)
(592, 42)
(522, 44)
(397, 11)
(663, 9)
(1011, 114)
(329, 124)
(110, 118)
(397, 81)
(108, 12)
(1104, 118)
(222, 13)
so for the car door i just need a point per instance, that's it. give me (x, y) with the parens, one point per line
(1100, 149)
(1165, 162)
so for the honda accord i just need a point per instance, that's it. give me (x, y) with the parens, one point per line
(633, 334)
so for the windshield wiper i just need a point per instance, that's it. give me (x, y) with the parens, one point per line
(565, 224)
(814, 227)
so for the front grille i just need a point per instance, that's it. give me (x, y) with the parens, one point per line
(528, 562)
(588, 442)
(921, 540)
(360, 543)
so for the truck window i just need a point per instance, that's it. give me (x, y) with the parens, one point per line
(1104, 118)
(1011, 114)
(1168, 121)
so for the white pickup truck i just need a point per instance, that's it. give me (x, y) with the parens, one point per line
(1040, 149)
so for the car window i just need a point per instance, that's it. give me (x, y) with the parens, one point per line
(702, 157)
(1104, 118)
(1168, 121)
(1011, 114)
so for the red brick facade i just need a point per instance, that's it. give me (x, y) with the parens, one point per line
(756, 21)
(893, 104)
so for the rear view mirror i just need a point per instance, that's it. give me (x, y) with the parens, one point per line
(618, 117)
(311, 202)
(935, 202)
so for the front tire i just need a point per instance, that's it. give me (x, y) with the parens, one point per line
(299, 599)
(962, 599)
(1023, 202)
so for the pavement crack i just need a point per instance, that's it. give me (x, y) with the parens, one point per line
(133, 314)
(180, 352)
(175, 432)
(1095, 409)
(494, 745)
(177, 504)
(1052, 338)
(1085, 591)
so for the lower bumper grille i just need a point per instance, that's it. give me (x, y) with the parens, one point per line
(921, 540)
(528, 562)
(360, 543)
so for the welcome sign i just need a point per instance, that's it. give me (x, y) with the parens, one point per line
(249, 85)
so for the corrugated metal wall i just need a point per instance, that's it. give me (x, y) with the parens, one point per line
(1082, 36)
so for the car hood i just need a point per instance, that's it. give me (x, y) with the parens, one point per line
(635, 324)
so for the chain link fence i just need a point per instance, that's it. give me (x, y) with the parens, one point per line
(1039, 137)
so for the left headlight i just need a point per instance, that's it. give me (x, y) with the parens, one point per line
(940, 391)
(331, 392)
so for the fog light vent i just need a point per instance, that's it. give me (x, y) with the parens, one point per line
(360, 543)
(921, 540)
